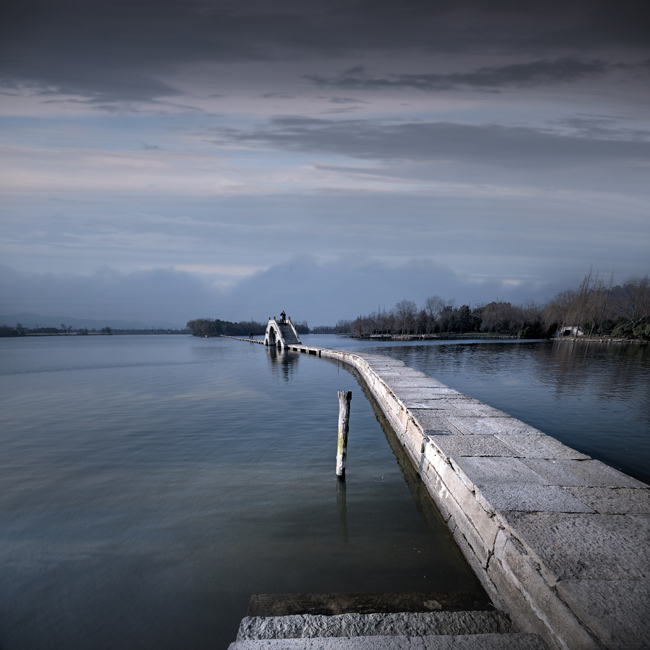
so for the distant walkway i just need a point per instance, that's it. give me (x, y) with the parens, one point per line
(241, 338)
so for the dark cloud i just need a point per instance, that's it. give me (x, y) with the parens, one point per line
(346, 100)
(307, 290)
(119, 51)
(278, 95)
(521, 74)
(486, 144)
(604, 128)
(145, 296)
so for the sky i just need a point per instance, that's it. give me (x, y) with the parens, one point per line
(169, 160)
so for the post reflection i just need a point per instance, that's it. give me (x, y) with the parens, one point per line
(342, 508)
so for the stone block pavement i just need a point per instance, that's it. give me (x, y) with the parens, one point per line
(561, 541)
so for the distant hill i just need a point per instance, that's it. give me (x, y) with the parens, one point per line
(37, 320)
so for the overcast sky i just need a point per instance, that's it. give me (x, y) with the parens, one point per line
(168, 160)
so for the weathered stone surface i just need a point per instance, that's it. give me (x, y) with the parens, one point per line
(530, 498)
(506, 588)
(473, 424)
(539, 446)
(614, 501)
(581, 472)
(444, 429)
(476, 524)
(467, 642)
(382, 360)
(354, 624)
(494, 425)
(477, 409)
(442, 390)
(432, 403)
(461, 445)
(497, 471)
(585, 546)
(436, 487)
(415, 393)
(414, 382)
(399, 374)
(617, 611)
(427, 418)
(518, 578)
(643, 518)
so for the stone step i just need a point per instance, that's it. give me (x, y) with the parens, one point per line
(515, 641)
(288, 335)
(375, 624)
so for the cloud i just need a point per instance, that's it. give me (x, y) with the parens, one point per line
(319, 292)
(107, 52)
(277, 95)
(146, 296)
(346, 100)
(541, 72)
(486, 144)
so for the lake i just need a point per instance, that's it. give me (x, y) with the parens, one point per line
(151, 484)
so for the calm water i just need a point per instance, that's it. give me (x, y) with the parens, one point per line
(150, 484)
(592, 397)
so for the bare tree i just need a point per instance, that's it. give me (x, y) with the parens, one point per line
(634, 300)
(560, 310)
(406, 314)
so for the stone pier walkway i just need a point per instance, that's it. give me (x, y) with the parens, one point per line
(561, 542)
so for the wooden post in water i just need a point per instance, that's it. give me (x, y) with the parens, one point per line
(344, 427)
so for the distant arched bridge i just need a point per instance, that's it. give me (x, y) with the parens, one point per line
(281, 333)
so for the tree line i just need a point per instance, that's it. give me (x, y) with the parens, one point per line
(217, 327)
(601, 308)
(68, 330)
(594, 308)
(439, 316)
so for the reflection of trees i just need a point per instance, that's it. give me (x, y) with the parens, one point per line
(457, 358)
(611, 372)
(282, 362)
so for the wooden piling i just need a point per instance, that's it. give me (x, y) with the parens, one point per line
(344, 426)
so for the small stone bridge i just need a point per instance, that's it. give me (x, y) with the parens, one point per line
(281, 333)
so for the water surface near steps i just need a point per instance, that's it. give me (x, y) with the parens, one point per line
(151, 484)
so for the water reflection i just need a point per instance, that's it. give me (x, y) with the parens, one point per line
(283, 362)
(342, 508)
(447, 552)
(610, 372)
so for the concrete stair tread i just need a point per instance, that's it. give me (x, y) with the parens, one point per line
(288, 335)
(375, 624)
(515, 641)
